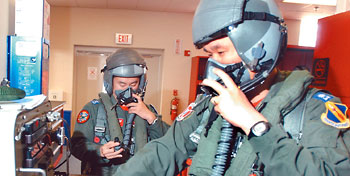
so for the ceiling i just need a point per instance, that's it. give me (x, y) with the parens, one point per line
(289, 10)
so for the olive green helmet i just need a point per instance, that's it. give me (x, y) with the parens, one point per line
(124, 62)
(256, 30)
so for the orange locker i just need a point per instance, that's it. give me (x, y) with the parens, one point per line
(333, 42)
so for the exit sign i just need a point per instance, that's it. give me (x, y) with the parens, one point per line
(124, 39)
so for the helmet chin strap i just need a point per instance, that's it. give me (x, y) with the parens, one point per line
(230, 69)
(259, 78)
(142, 90)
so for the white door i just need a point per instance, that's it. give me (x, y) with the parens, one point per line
(88, 79)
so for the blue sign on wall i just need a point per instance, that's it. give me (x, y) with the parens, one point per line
(25, 64)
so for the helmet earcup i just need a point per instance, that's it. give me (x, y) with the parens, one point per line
(108, 82)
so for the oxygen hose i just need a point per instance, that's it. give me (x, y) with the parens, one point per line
(223, 151)
(128, 129)
(127, 135)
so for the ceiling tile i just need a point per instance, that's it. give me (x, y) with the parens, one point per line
(154, 5)
(92, 3)
(122, 4)
(289, 10)
(315, 2)
(298, 11)
(182, 5)
(64, 3)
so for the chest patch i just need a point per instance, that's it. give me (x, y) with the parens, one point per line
(83, 116)
(335, 115)
(186, 113)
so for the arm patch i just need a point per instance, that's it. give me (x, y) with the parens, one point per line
(335, 114)
(83, 116)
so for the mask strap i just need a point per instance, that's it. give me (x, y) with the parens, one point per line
(239, 75)
(232, 68)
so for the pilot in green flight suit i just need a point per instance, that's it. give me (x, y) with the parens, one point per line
(252, 119)
(109, 130)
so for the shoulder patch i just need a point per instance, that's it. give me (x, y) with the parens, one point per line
(322, 96)
(94, 101)
(186, 113)
(83, 116)
(335, 115)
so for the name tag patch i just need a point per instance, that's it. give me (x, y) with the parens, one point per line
(95, 102)
(121, 122)
(322, 96)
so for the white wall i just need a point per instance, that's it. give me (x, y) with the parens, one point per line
(97, 27)
(7, 21)
(293, 27)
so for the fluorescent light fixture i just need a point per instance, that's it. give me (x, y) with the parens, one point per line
(315, 2)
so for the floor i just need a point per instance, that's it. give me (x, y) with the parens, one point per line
(74, 164)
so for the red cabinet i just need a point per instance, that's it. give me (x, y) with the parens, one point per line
(197, 74)
(333, 42)
(297, 56)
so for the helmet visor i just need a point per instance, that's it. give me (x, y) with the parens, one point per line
(129, 70)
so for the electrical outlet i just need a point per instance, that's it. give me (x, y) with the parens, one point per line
(56, 95)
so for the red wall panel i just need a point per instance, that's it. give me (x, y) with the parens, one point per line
(333, 42)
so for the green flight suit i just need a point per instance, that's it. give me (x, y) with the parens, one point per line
(85, 147)
(319, 149)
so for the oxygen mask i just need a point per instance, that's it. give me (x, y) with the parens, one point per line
(236, 71)
(125, 97)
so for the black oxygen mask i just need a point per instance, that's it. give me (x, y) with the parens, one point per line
(125, 97)
(236, 71)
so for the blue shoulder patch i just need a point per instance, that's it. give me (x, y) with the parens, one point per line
(94, 101)
(322, 96)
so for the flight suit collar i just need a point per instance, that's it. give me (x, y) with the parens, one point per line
(285, 94)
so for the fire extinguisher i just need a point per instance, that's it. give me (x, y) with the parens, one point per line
(174, 105)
